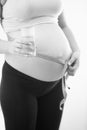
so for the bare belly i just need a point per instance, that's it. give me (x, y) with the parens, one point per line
(51, 41)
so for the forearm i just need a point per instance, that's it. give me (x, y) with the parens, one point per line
(3, 47)
(73, 44)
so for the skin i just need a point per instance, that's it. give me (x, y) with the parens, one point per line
(74, 61)
(24, 45)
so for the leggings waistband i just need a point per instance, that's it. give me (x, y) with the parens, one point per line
(20, 74)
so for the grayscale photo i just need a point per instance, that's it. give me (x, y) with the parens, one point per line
(42, 65)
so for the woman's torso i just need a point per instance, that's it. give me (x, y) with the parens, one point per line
(49, 38)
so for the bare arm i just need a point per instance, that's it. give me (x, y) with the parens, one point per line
(67, 31)
(3, 47)
(19, 46)
(74, 60)
(3, 44)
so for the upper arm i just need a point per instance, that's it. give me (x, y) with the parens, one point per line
(62, 21)
(2, 2)
(0, 11)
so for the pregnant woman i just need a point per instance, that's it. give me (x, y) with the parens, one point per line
(39, 51)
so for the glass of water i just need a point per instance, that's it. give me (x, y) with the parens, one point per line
(29, 32)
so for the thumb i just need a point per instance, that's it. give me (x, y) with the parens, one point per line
(72, 59)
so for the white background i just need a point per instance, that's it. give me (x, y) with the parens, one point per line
(75, 111)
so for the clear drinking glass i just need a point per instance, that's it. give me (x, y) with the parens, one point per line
(29, 32)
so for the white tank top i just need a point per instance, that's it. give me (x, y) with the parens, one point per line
(24, 13)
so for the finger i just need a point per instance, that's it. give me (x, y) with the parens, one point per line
(71, 73)
(28, 42)
(25, 46)
(75, 65)
(72, 60)
(27, 54)
(66, 75)
(24, 51)
(25, 41)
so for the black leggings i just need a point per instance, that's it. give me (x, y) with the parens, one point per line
(28, 103)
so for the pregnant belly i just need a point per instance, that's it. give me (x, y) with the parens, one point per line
(50, 41)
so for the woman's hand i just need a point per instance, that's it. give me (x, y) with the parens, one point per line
(73, 63)
(24, 46)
